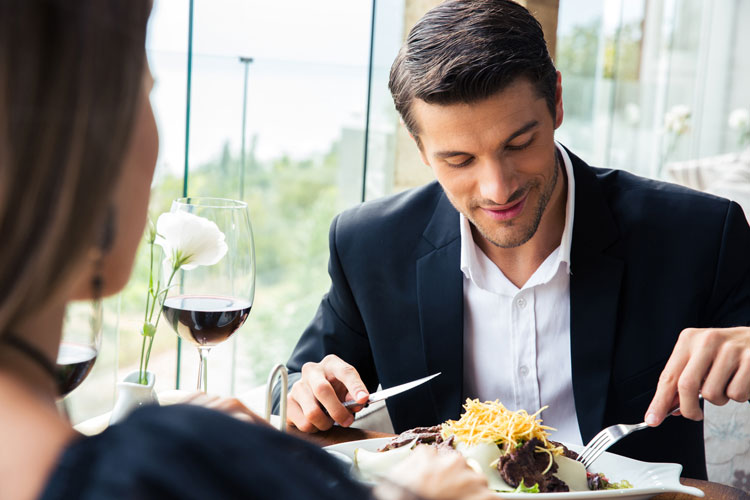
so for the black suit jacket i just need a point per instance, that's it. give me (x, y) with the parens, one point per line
(648, 259)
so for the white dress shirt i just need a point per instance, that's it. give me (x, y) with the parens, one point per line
(517, 341)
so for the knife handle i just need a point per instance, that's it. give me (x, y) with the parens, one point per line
(350, 404)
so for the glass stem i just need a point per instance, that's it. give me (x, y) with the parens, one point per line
(203, 369)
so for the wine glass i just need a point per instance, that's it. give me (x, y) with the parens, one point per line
(79, 347)
(211, 302)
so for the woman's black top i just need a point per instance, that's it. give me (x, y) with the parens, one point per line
(189, 452)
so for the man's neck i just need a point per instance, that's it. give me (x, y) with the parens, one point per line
(519, 264)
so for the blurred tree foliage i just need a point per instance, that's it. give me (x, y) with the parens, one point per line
(578, 51)
(581, 55)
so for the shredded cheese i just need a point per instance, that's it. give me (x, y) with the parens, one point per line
(491, 422)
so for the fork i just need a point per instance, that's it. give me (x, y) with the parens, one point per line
(612, 434)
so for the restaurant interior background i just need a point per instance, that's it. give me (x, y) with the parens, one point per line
(288, 109)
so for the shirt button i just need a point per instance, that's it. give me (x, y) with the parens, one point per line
(521, 302)
(523, 371)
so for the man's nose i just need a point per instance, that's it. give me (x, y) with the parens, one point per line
(497, 182)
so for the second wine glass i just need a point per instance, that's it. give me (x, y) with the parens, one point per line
(210, 303)
(80, 344)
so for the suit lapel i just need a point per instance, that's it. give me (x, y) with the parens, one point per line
(594, 294)
(440, 303)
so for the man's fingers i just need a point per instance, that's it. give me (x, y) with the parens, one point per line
(317, 395)
(311, 410)
(712, 362)
(690, 383)
(295, 416)
(739, 387)
(714, 387)
(666, 389)
(342, 371)
(318, 379)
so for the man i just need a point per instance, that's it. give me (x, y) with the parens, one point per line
(523, 274)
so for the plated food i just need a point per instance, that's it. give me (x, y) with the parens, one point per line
(511, 448)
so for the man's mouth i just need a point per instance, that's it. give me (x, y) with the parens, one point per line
(511, 211)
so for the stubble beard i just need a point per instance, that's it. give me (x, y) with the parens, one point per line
(516, 240)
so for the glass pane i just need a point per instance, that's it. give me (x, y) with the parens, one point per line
(384, 120)
(303, 153)
(579, 40)
(649, 83)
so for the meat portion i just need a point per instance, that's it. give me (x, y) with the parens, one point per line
(566, 452)
(445, 444)
(528, 465)
(423, 435)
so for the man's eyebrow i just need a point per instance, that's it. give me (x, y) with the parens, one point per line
(532, 124)
(448, 154)
(522, 130)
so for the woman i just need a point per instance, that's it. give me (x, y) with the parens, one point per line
(78, 145)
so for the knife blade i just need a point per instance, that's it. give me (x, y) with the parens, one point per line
(386, 393)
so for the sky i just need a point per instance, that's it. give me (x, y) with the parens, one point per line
(307, 81)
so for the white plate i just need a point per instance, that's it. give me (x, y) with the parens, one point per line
(648, 479)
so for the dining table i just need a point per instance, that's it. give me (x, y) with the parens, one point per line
(255, 400)
(336, 435)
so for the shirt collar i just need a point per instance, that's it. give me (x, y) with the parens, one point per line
(472, 266)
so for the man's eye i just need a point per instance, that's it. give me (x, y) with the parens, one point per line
(461, 164)
(516, 147)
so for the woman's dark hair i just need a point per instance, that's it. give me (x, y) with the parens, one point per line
(71, 76)
(466, 51)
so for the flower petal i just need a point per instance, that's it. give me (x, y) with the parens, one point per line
(197, 239)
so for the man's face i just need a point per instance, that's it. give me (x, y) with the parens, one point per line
(495, 159)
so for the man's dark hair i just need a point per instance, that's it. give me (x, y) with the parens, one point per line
(467, 50)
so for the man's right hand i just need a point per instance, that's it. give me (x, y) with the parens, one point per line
(314, 403)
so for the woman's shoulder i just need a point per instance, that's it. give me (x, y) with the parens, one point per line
(186, 451)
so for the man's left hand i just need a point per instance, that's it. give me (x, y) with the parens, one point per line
(712, 362)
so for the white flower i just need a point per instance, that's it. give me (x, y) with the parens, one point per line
(677, 119)
(189, 241)
(632, 114)
(739, 119)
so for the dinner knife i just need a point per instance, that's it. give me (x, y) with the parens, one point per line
(386, 393)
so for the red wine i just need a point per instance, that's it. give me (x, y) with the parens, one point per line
(74, 362)
(205, 320)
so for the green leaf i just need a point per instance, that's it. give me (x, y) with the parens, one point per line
(527, 489)
(148, 330)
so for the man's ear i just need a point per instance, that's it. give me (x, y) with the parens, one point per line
(558, 102)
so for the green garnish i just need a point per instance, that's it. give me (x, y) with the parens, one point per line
(624, 484)
(606, 484)
(526, 489)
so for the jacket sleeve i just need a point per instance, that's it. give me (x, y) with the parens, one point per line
(729, 304)
(337, 327)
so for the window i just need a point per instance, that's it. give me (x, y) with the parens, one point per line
(628, 65)
(303, 139)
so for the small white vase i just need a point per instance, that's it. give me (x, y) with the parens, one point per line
(131, 395)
